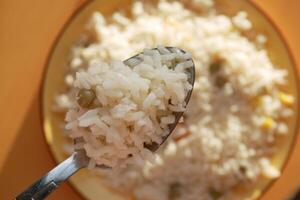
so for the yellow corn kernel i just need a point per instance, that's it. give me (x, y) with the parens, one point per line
(286, 99)
(268, 123)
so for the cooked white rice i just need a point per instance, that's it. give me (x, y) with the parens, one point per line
(234, 116)
(121, 106)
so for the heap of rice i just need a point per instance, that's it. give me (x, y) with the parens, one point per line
(236, 112)
(120, 107)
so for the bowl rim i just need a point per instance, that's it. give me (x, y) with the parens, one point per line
(256, 7)
(290, 53)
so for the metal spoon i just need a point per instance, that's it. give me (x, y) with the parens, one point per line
(78, 160)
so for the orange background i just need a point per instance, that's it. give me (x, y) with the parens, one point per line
(27, 32)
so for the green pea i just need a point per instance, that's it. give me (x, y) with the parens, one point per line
(215, 194)
(215, 66)
(175, 190)
(220, 81)
(85, 98)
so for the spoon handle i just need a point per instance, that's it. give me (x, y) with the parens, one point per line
(49, 182)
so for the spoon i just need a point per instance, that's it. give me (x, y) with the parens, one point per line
(78, 160)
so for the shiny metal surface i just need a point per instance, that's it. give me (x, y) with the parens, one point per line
(48, 183)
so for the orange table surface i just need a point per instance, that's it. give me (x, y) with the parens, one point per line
(27, 32)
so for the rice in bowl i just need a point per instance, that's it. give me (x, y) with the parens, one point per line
(235, 115)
